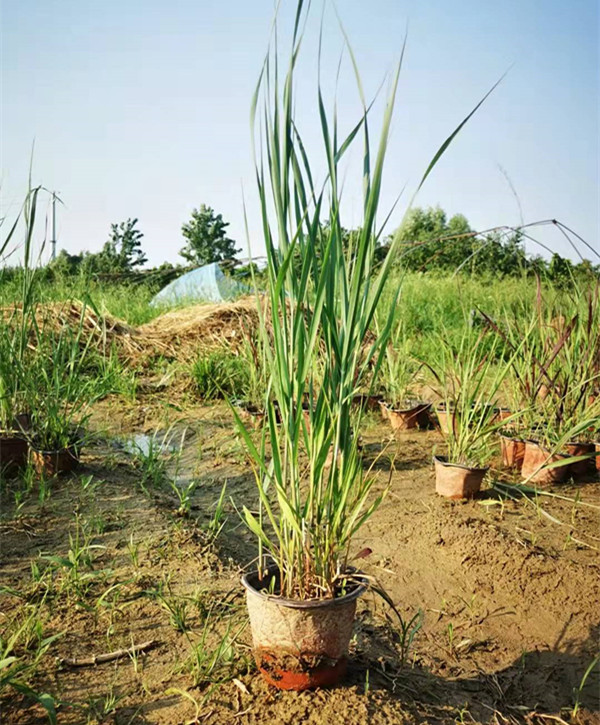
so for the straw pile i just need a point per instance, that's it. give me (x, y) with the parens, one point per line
(179, 334)
(202, 327)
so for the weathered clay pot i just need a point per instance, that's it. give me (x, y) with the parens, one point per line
(513, 451)
(300, 645)
(598, 456)
(13, 452)
(51, 463)
(249, 414)
(583, 468)
(455, 481)
(414, 414)
(366, 402)
(446, 419)
(502, 414)
(535, 458)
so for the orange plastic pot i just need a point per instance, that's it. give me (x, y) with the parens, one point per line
(534, 461)
(581, 469)
(250, 414)
(513, 452)
(300, 645)
(52, 463)
(13, 452)
(455, 481)
(446, 419)
(366, 402)
(502, 414)
(413, 415)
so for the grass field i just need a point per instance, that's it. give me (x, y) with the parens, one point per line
(143, 544)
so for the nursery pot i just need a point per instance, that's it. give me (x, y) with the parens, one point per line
(300, 645)
(51, 463)
(513, 451)
(598, 456)
(13, 451)
(502, 414)
(455, 481)
(535, 457)
(411, 414)
(366, 402)
(580, 468)
(250, 413)
(445, 418)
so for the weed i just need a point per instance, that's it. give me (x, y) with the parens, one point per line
(133, 548)
(150, 457)
(20, 654)
(175, 605)
(215, 525)
(221, 374)
(184, 495)
(578, 691)
(213, 664)
(99, 708)
(76, 569)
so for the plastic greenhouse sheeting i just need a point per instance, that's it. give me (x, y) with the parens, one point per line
(207, 284)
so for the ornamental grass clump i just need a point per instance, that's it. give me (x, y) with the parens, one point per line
(323, 293)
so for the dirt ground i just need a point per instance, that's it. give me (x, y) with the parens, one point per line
(506, 592)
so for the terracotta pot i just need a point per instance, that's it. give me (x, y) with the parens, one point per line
(22, 422)
(543, 392)
(366, 402)
(513, 451)
(502, 414)
(51, 463)
(300, 645)
(13, 452)
(445, 419)
(598, 456)
(455, 481)
(535, 458)
(250, 414)
(412, 414)
(580, 468)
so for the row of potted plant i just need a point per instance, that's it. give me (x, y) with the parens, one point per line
(45, 392)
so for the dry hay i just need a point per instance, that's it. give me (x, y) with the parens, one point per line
(178, 334)
(207, 327)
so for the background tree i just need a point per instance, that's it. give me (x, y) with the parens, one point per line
(123, 251)
(207, 240)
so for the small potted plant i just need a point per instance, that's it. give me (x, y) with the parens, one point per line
(471, 379)
(399, 403)
(59, 394)
(13, 444)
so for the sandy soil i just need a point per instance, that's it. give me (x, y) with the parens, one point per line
(508, 593)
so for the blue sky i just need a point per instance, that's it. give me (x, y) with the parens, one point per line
(140, 108)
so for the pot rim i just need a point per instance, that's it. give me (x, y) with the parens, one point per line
(445, 462)
(516, 439)
(12, 434)
(305, 603)
(71, 448)
(415, 402)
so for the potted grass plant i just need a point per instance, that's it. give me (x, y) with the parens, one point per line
(59, 394)
(471, 374)
(14, 342)
(13, 444)
(323, 294)
(399, 402)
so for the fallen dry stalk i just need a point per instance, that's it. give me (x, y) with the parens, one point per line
(107, 656)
